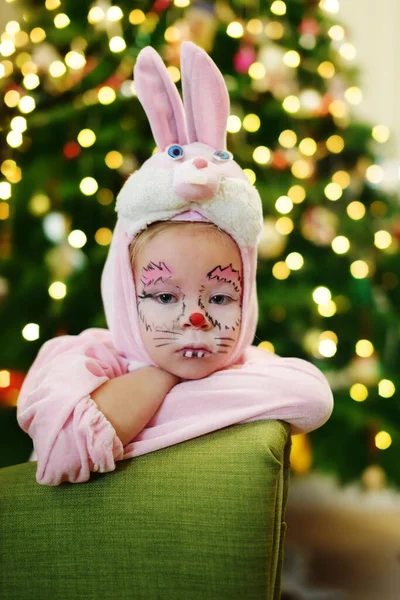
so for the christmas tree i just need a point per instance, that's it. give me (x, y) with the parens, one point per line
(328, 273)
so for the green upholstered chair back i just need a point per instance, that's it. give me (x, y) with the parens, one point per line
(200, 520)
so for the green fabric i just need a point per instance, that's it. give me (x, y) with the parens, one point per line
(198, 520)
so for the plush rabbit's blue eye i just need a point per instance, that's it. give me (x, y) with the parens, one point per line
(223, 155)
(175, 151)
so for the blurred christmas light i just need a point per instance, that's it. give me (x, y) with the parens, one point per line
(31, 81)
(382, 239)
(386, 388)
(336, 32)
(274, 30)
(95, 15)
(26, 104)
(37, 35)
(326, 69)
(5, 190)
(327, 310)
(331, 6)
(340, 244)
(4, 213)
(103, 236)
(353, 95)
(55, 226)
(257, 70)
(31, 332)
(88, 186)
(291, 104)
(356, 210)
(280, 270)
(106, 95)
(284, 205)
(114, 13)
(57, 69)
(335, 144)
(308, 146)
(235, 29)
(291, 58)
(288, 138)
(262, 155)
(114, 159)
(7, 48)
(381, 133)
(117, 44)
(14, 139)
(137, 17)
(75, 60)
(57, 290)
(359, 269)
(61, 20)
(278, 8)
(52, 4)
(77, 238)
(348, 51)
(333, 191)
(302, 169)
(251, 176)
(251, 123)
(364, 348)
(383, 440)
(39, 204)
(297, 193)
(172, 34)
(4, 378)
(181, 3)
(359, 392)
(321, 295)
(294, 261)
(284, 225)
(342, 178)
(267, 346)
(234, 124)
(11, 98)
(12, 27)
(374, 174)
(18, 124)
(86, 138)
(255, 27)
(327, 348)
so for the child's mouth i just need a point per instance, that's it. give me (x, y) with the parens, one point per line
(193, 353)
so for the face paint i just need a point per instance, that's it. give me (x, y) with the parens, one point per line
(189, 306)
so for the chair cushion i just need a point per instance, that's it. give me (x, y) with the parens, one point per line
(203, 519)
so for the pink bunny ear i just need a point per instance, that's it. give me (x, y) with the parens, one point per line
(160, 99)
(205, 97)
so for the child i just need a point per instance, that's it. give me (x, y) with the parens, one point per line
(179, 292)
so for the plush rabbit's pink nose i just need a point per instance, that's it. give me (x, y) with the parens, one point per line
(200, 163)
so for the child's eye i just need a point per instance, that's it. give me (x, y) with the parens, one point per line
(221, 296)
(175, 151)
(164, 296)
(223, 155)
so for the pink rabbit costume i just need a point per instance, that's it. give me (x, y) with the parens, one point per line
(192, 177)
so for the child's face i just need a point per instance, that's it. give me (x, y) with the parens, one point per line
(189, 291)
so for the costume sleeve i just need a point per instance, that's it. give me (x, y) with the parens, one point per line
(301, 394)
(71, 436)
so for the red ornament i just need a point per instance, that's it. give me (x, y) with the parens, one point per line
(309, 26)
(197, 319)
(243, 58)
(10, 386)
(71, 150)
(279, 160)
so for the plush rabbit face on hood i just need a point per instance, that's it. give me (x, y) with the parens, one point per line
(192, 177)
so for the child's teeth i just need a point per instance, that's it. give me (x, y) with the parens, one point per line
(195, 353)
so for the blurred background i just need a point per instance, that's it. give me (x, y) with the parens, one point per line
(314, 92)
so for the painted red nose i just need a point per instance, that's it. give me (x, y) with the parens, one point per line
(200, 163)
(197, 319)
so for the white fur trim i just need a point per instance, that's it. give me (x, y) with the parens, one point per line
(148, 196)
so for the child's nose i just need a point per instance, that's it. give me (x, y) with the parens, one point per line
(196, 320)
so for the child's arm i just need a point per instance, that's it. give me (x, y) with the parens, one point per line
(130, 401)
(71, 436)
